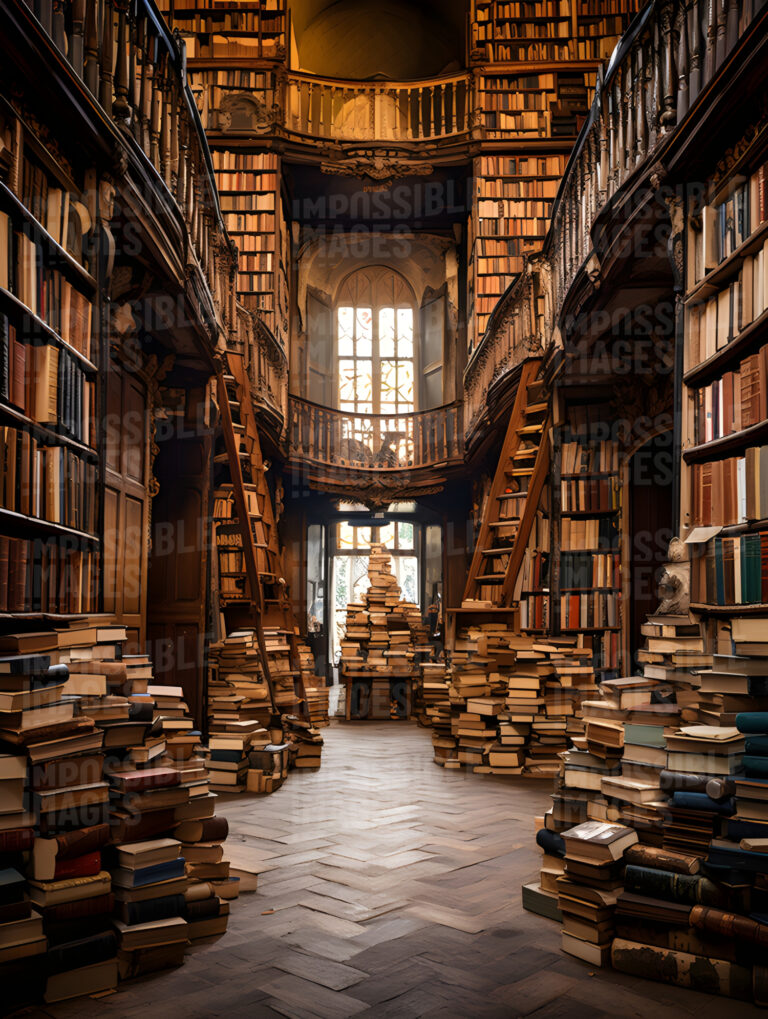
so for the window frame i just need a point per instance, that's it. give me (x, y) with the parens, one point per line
(377, 277)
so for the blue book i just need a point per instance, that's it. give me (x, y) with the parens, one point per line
(756, 745)
(737, 829)
(728, 854)
(752, 723)
(755, 767)
(700, 801)
(125, 878)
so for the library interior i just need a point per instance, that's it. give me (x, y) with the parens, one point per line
(383, 508)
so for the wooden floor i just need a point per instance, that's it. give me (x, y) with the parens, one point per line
(390, 887)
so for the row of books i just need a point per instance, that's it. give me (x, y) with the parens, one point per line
(535, 611)
(592, 495)
(595, 533)
(512, 208)
(575, 49)
(59, 213)
(504, 29)
(233, 11)
(44, 290)
(266, 45)
(246, 180)
(51, 483)
(589, 456)
(501, 188)
(45, 383)
(590, 610)
(501, 226)
(252, 201)
(526, 167)
(47, 576)
(716, 322)
(522, 9)
(734, 402)
(732, 571)
(589, 569)
(728, 224)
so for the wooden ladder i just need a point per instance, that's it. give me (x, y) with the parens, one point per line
(515, 493)
(258, 531)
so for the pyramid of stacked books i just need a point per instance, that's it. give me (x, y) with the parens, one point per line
(108, 834)
(378, 641)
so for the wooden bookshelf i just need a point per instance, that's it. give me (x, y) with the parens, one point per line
(251, 203)
(556, 30)
(510, 217)
(587, 559)
(50, 498)
(230, 31)
(725, 386)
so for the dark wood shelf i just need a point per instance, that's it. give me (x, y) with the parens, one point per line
(712, 283)
(20, 310)
(720, 448)
(47, 435)
(738, 347)
(37, 525)
(68, 263)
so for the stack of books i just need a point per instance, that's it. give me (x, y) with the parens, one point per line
(237, 688)
(589, 887)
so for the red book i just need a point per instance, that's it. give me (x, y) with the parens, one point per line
(764, 565)
(78, 866)
(97, 905)
(16, 840)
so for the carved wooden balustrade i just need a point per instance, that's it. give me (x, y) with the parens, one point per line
(267, 367)
(514, 334)
(135, 70)
(375, 442)
(670, 54)
(377, 111)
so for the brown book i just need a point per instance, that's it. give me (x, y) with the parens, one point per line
(68, 771)
(662, 859)
(729, 925)
(146, 779)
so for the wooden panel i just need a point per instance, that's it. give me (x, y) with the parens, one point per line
(111, 547)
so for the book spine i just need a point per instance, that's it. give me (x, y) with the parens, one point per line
(664, 859)
(697, 972)
(730, 925)
(663, 884)
(86, 952)
(154, 909)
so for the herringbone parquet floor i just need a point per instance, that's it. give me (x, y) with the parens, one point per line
(390, 888)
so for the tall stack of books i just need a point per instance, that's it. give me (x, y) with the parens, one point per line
(589, 887)
(68, 885)
(237, 688)
(377, 651)
(26, 687)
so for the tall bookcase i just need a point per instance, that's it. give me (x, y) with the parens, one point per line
(50, 548)
(725, 413)
(510, 217)
(587, 571)
(252, 206)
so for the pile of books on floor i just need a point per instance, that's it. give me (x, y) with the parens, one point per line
(430, 690)
(378, 649)
(304, 740)
(514, 700)
(689, 776)
(110, 853)
(237, 688)
(317, 702)
(283, 669)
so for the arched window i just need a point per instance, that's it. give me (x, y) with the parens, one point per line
(375, 343)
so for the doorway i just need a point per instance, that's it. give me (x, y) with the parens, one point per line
(649, 530)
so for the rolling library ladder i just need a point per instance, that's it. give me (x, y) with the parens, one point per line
(515, 493)
(273, 614)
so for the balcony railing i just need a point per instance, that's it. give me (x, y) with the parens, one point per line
(377, 111)
(375, 442)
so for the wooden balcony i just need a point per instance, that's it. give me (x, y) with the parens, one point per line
(345, 448)
(344, 111)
